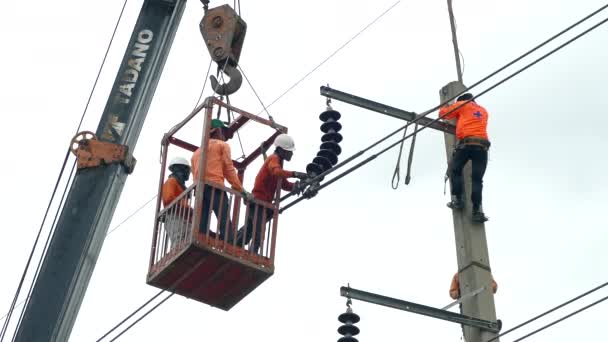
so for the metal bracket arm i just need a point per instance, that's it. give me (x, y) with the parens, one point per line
(386, 110)
(420, 309)
(90, 152)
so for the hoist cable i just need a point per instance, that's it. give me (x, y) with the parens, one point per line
(426, 113)
(332, 54)
(256, 94)
(549, 311)
(561, 319)
(327, 172)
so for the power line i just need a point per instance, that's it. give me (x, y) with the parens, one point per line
(132, 214)
(549, 311)
(332, 54)
(45, 248)
(562, 319)
(18, 291)
(103, 62)
(29, 260)
(322, 175)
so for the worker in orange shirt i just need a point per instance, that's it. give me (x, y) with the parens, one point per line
(455, 287)
(219, 168)
(265, 186)
(177, 219)
(473, 145)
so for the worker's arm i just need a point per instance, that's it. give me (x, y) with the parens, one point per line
(454, 289)
(494, 286)
(229, 170)
(274, 166)
(451, 110)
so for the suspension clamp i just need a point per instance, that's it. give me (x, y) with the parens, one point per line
(90, 152)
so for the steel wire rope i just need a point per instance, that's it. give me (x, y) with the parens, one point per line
(562, 319)
(316, 178)
(17, 292)
(256, 95)
(332, 54)
(582, 295)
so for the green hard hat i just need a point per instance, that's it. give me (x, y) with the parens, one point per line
(216, 123)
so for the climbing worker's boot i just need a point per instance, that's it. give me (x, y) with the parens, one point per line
(479, 216)
(455, 203)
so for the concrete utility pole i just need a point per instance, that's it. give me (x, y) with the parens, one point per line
(471, 245)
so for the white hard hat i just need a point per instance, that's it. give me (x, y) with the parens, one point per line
(179, 161)
(285, 142)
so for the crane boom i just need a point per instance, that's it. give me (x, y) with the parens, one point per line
(76, 243)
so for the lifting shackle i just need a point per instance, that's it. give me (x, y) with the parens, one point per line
(224, 33)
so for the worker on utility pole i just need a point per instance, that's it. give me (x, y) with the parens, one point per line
(473, 145)
(219, 168)
(455, 287)
(178, 217)
(265, 186)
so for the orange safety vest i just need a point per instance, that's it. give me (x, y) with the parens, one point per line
(171, 190)
(471, 119)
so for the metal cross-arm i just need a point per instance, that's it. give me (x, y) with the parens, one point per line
(420, 309)
(387, 110)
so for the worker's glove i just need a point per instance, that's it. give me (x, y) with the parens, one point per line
(247, 196)
(298, 188)
(300, 175)
(311, 191)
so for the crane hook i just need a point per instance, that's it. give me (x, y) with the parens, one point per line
(236, 79)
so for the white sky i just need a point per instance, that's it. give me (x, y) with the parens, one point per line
(544, 189)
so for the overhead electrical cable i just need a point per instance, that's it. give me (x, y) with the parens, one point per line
(582, 295)
(6, 322)
(322, 175)
(332, 54)
(561, 319)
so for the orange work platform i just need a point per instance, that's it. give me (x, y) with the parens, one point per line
(204, 253)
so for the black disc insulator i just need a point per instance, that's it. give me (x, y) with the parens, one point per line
(332, 146)
(330, 114)
(330, 155)
(349, 317)
(314, 169)
(331, 126)
(347, 339)
(335, 137)
(323, 162)
(348, 329)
